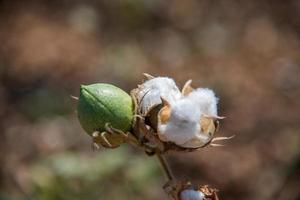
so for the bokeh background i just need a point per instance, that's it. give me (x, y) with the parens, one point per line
(247, 51)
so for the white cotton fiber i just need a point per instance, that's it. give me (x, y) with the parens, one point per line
(151, 91)
(190, 194)
(184, 127)
(183, 124)
(205, 99)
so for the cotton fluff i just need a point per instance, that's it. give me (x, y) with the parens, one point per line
(190, 194)
(205, 100)
(183, 125)
(151, 91)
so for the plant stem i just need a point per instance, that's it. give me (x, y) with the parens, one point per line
(165, 166)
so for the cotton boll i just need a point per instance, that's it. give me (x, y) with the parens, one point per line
(190, 194)
(151, 92)
(206, 100)
(187, 122)
(182, 127)
(186, 118)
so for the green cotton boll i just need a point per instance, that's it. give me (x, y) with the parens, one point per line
(104, 103)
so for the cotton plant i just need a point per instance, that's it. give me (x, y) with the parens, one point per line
(157, 117)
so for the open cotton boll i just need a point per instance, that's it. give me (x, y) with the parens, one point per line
(206, 100)
(151, 91)
(190, 194)
(183, 125)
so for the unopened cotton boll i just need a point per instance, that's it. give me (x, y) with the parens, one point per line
(151, 92)
(190, 194)
(205, 99)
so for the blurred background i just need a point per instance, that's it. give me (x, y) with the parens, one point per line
(248, 52)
